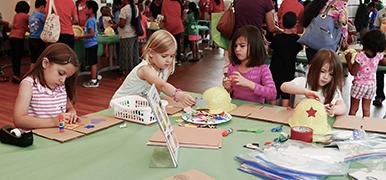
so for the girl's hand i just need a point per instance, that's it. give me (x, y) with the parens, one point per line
(185, 99)
(239, 80)
(311, 94)
(70, 118)
(227, 83)
(330, 109)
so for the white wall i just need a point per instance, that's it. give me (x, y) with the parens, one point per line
(7, 9)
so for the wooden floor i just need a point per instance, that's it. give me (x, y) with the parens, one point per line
(194, 77)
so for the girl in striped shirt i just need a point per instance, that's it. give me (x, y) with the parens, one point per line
(48, 89)
(248, 78)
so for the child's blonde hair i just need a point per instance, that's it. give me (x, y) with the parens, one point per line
(61, 54)
(160, 42)
(322, 57)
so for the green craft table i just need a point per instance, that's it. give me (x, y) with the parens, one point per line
(121, 153)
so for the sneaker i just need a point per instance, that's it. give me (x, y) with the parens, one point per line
(377, 102)
(90, 84)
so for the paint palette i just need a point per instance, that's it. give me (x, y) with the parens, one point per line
(203, 117)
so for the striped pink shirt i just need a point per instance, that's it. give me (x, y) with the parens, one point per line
(265, 87)
(46, 103)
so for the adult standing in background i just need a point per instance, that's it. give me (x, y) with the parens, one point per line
(379, 22)
(260, 10)
(291, 6)
(337, 11)
(172, 12)
(66, 10)
(155, 8)
(128, 43)
(81, 8)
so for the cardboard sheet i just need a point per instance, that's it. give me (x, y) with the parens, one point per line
(54, 134)
(191, 137)
(192, 174)
(93, 123)
(244, 110)
(172, 107)
(88, 124)
(355, 122)
(272, 114)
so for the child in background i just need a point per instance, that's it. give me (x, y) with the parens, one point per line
(158, 64)
(91, 44)
(191, 29)
(48, 89)
(324, 82)
(285, 48)
(18, 30)
(248, 78)
(106, 20)
(364, 69)
(36, 24)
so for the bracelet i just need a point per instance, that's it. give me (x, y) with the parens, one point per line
(175, 94)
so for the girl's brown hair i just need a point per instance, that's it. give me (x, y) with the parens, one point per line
(61, 54)
(321, 58)
(256, 50)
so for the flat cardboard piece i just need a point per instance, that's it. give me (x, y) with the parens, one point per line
(172, 107)
(170, 110)
(192, 174)
(191, 137)
(89, 123)
(93, 123)
(354, 122)
(54, 134)
(244, 110)
(271, 114)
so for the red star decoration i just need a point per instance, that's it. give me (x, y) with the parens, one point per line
(311, 112)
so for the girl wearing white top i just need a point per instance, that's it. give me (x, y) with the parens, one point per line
(157, 64)
(324, 83)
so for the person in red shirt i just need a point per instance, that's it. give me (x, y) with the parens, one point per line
(172, 12)
(18, 30)
(81, 8)
(295, 7)
(68, 16)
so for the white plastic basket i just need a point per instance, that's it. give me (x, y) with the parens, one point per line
(134, 108)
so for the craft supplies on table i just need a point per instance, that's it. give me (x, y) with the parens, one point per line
(301, 133)
(203, 117)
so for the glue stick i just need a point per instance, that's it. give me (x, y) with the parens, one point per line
(61, 122)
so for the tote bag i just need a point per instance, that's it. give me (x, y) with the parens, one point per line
(323, 32)
(51, 29)
(226, 24)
